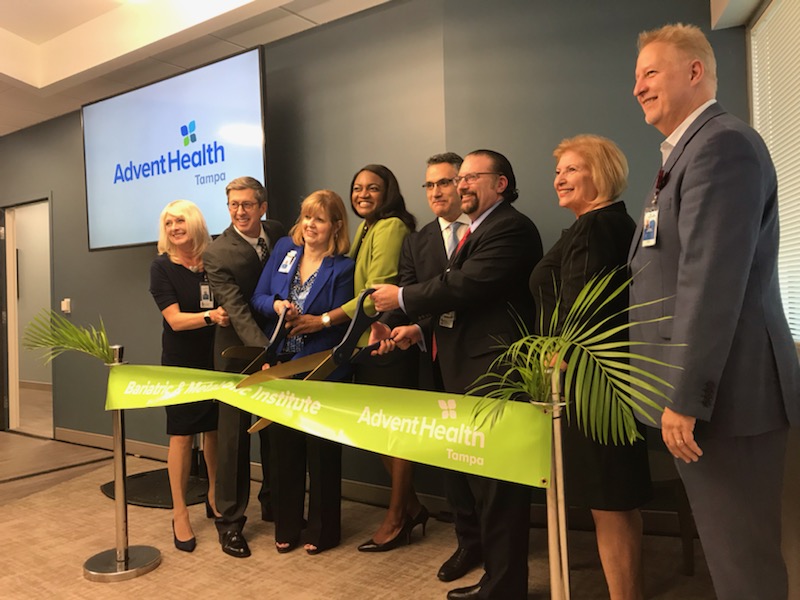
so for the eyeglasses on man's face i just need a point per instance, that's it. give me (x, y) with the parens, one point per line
(472, 177)
(442, 183)
(246, 206)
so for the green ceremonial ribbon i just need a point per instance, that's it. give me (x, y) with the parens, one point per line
(425, 427)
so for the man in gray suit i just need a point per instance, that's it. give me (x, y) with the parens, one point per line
(711, 251)
(234, 262)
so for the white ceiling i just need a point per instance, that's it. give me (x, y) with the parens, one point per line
(56, 55)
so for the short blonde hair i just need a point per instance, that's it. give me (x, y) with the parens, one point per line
(607, 164)
(195, 227)
(330, 204)
(690, 40)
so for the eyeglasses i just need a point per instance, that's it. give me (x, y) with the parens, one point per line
(472, 177)
(247, 206)
(442, 183)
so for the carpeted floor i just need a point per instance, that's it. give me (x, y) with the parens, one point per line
(47, 535)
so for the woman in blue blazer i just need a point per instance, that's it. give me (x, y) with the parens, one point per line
(307, 273)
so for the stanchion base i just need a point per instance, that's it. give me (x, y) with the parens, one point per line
(104, 567)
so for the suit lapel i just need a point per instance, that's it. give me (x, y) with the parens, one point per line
(435, 243)
(240, 244)
(712, 111)
(477, 234)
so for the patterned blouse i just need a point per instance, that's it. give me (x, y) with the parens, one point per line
(298, 292)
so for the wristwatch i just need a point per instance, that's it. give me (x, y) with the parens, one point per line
(326, 320)
(207, 317)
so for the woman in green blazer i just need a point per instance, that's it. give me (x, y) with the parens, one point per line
(375, 197)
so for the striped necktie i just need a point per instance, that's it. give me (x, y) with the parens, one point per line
(452, 241)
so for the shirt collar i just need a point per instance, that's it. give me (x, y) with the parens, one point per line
(474, 225)
(668, 145)
(444, 223)
(250, 240)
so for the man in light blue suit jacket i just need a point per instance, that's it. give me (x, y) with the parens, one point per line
(713, 255)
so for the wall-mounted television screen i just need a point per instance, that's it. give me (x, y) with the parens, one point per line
(184, 137)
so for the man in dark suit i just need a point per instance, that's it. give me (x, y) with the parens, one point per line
(472, 304)
(233, 263)
(424, 256)
(712, 253)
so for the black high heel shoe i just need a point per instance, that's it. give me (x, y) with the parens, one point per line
(403, 538)
(184, 545)
(210, 511)
(421, 519)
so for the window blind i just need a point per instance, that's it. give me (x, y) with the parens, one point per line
(775, 81)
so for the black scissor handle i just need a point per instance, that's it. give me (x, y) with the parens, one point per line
(344, 351)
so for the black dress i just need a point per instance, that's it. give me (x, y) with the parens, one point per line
(603, 477)
(172, 283)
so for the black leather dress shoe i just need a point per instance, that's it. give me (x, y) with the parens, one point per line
(465, 593)
(233, 543)
(458, 565)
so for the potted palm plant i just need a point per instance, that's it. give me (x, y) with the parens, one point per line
(602, 376)
(56, 334)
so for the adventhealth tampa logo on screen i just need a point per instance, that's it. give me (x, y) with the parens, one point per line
(209, 153)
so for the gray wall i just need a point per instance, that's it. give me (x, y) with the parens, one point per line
(392, 85)
(522, 79)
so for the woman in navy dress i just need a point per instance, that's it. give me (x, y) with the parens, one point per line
(308, 273)
(180, 289)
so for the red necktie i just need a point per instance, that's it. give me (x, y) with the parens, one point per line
(463, 239)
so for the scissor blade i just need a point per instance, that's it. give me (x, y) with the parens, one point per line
(259, 425)
(287, 369)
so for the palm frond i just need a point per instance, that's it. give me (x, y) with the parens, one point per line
(56, 334)
(601, 376)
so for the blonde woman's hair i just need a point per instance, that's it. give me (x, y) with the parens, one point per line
(195, 227)
(330, 204)
(607, 164)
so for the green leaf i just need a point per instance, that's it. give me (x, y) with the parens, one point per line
(56, 334)
(599, 379)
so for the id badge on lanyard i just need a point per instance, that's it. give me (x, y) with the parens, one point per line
(206, 297)
(288, 261)
(650, 224)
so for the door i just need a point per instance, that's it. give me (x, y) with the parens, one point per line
(27, 281)
(3, 327)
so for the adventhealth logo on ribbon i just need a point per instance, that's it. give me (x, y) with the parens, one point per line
(210, 153)
(448, 408)
(426, 427)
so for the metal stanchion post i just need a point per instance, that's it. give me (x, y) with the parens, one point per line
(556, 502)
(122, 562)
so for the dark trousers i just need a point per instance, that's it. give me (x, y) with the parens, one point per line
(458, 492)
(233, 468)
(233, 458)
(504, 513)
(465, 515)
(290, 451)
(735, 491)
